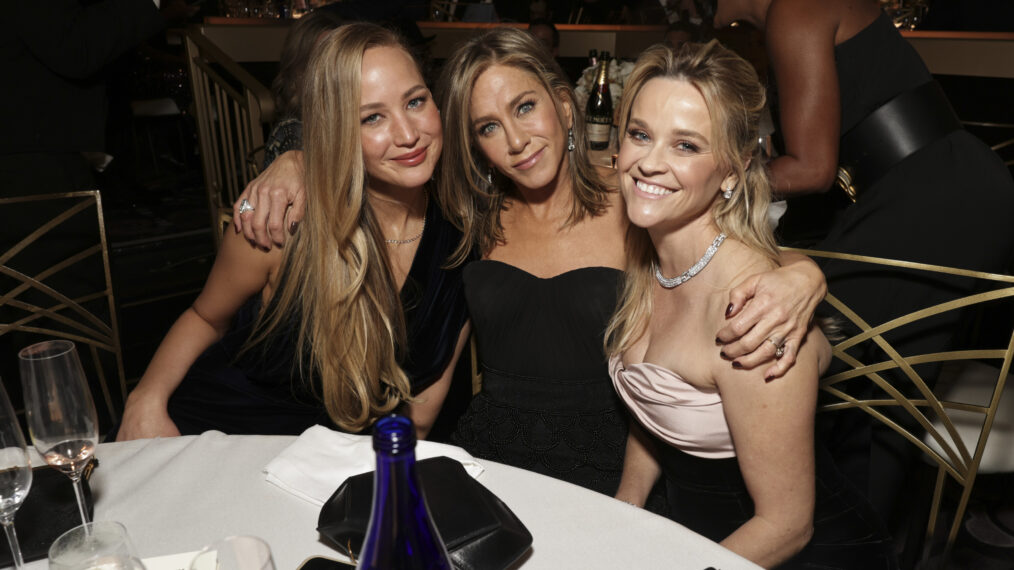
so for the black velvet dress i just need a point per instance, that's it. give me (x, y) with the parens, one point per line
(260, 392)
(547, 403)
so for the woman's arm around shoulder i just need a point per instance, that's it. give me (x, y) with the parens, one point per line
(772, 427)
(240, 271)
(776, 304)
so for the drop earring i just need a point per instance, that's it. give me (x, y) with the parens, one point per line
(570, 140)
(489, 175)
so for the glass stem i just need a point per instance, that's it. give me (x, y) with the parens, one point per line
(79, 493)
(12, 539)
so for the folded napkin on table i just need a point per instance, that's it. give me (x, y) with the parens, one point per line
(321, 459)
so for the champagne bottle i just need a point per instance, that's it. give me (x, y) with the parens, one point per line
(598, 114)
(401, 534)
(593, 57)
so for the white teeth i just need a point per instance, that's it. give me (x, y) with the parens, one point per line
(652, 189)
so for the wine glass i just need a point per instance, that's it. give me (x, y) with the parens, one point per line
(100, 544)
(15, 473)
(61, 413)
(234, 553)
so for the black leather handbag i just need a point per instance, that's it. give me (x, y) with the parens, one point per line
(49, 510)
(480, 532)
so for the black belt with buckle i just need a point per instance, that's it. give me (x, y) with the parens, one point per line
(891, 133)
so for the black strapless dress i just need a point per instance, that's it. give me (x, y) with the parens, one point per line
(260, 391)
(547, 403)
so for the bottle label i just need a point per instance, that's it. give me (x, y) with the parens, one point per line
(599, 119)
(598, 132)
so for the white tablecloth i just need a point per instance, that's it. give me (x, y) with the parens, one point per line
(178, 494)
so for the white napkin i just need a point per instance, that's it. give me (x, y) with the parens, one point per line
(317, 463)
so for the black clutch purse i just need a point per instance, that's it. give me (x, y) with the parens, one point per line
(480, 532)
(49, 510)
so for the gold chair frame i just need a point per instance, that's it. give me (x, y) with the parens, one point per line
(233, 109)
(66, 318)
(956, 460)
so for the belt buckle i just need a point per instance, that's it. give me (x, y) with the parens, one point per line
(843, 179)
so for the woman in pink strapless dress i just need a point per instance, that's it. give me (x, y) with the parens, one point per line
(737, 451)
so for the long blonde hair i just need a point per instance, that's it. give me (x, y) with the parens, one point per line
(335, 274)
(469, 200)
(735, 99)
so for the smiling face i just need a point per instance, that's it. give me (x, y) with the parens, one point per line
(399, 121)
(515, 124)
(669, 173)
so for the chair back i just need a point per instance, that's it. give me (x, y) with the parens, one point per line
(928, 416)
(233, 110)
(55, 283)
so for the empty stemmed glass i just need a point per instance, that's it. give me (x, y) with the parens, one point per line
(15, 473)
(60, 411)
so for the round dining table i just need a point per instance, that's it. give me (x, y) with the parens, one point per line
(176, 495)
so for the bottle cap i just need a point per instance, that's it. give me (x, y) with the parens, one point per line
(394, 434)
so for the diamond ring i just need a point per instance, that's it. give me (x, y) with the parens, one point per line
(244, 206)
(779, 347)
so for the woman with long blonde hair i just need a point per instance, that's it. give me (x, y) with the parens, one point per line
(355, 316)
(737, 453)
(552, 236)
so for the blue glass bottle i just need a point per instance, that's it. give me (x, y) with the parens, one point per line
(401, 534)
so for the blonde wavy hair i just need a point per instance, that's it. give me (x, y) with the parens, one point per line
(335, 273)
(467, 198)
(735, 99)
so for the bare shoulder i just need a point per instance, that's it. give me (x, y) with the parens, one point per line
(247, 260)
(742, 262)
(787, 19)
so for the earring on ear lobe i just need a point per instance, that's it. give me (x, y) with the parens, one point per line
(727, 192)
(489, 175)
(570, 140)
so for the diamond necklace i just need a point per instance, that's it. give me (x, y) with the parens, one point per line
(426, 203)
(694, 269)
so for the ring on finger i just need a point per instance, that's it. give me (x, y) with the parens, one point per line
(779, 347)
(245, 206)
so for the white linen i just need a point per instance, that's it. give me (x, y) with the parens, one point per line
(320, 460)
(179, 494)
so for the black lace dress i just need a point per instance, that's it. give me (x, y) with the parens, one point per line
(547, 403)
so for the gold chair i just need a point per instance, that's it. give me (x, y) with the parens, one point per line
(55, 283)
(951, 427)
(233, 109)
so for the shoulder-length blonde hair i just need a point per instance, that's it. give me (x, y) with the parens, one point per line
(735, 99)
(468, 198)
(335, 274)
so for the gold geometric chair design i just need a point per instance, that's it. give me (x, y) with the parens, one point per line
(55, 283)
(954, 425)
(232, 109)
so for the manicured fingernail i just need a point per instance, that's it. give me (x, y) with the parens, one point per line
(292, 228)
(736, 365)
(728, 310)
(723, 355)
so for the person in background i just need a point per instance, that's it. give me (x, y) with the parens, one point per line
(550, 232)
(287, 132)
(683, 30)
(737, 453)
(547, 33)
(849, 86)
(356, 316)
